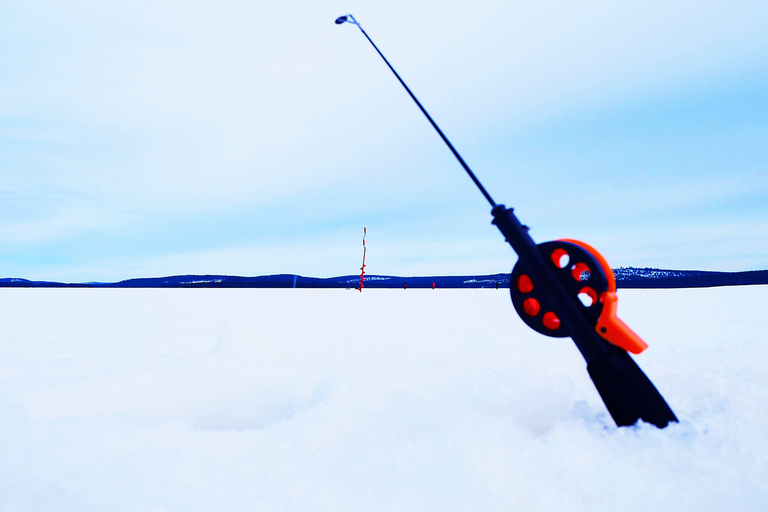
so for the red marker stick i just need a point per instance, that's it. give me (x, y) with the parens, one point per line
(362, 269)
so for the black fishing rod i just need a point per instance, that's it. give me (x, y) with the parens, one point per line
(565, 288)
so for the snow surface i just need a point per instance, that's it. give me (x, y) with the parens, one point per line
(335, 400)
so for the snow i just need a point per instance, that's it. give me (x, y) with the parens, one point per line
(335, 400)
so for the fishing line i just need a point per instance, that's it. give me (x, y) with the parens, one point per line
(351, 19)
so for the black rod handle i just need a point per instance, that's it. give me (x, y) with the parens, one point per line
(628, 394)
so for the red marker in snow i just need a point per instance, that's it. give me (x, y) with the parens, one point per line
(362, 269)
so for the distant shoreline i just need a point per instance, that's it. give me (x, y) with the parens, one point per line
(626, 277)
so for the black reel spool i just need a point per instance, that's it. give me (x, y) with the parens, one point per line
(576, 269)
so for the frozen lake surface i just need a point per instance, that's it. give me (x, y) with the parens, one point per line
(334, 400)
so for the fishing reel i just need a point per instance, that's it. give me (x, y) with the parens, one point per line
(588, 279)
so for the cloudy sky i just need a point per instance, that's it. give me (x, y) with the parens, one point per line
(163, 137)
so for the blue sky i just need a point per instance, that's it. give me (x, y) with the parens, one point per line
(158, 138)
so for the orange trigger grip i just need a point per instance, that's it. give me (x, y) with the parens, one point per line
(610, 326)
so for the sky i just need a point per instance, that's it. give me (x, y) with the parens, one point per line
(159, 138)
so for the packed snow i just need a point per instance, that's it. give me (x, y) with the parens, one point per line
(335, 400)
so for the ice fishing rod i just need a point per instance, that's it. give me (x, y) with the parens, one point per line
(565, 288)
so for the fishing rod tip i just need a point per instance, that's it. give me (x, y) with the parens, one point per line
(346, 18)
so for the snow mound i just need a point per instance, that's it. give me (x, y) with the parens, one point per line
(254, 399)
